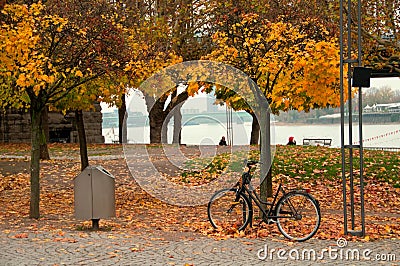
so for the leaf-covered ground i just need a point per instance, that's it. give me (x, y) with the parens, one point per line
(316, 168)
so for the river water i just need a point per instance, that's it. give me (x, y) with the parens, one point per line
(385, 135)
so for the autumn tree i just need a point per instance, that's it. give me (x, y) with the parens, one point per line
(150, 57)
(380, 32)
(48, 51)
(379, 96)
(189, 40)
(288, 62)
(167, 28)
(380, 27)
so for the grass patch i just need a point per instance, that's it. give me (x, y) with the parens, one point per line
(209, 168)
(303, 163)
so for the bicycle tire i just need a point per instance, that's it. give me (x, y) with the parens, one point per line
(298, 216)
(223, 214)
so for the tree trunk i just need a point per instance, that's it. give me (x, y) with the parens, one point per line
(45, 136)
(150, 101)
(264, 114)
(158, 112)
(164, 130)
(122, 130)
(82, 139)
(265, 155)
(36, 131)
(156, 122)
(155, 118)
(177, 125)
(255, 131)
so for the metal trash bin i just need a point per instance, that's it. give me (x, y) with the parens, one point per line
(94, 194)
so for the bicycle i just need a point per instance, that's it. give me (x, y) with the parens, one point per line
(297, 213)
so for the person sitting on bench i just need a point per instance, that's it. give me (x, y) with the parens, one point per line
(291, 141)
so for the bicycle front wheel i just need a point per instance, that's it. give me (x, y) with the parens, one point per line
(228, 210)
(298, 216)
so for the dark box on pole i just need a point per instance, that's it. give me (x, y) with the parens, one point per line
(361, 77)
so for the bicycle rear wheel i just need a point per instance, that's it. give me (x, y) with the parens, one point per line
(298, 216)
(224, 212)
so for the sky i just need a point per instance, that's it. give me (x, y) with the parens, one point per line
(393, 83)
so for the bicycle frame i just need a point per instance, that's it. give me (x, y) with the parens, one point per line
(259, 202)
(267, 212)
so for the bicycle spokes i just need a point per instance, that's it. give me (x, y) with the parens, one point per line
(224, 213)
(298, 216)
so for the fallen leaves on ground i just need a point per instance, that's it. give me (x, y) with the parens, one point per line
(139, 213)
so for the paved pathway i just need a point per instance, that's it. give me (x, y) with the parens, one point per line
(109, 248)
(112, 248)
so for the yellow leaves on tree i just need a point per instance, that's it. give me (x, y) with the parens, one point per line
(294, 69)
(313, 81)
(147, 41)
(20, 59)
(48, 52)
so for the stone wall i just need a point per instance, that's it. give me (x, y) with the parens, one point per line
(93, 126)
(15, 127)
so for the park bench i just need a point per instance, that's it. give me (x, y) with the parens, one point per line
(317, 142)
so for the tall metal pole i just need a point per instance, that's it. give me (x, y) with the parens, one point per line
(342, 114)
(346, 59)
(350, 112)
(360, 120)
(229, 126)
